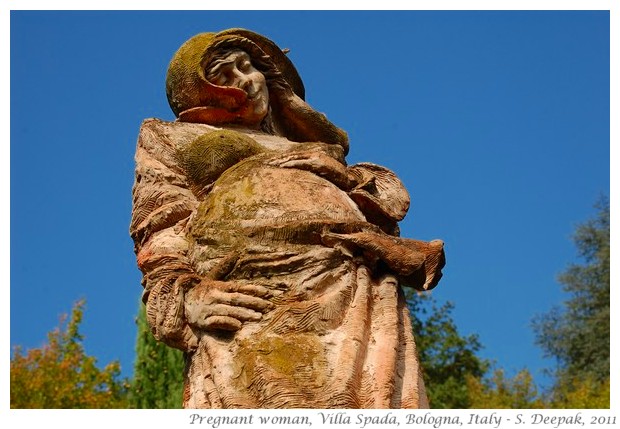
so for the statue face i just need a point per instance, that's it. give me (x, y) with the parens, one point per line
(236, 69)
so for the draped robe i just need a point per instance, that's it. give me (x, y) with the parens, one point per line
(320, 236)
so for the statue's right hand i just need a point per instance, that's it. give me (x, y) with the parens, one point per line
(218, 305)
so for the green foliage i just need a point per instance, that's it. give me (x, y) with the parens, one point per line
(455, 376)
(584, 392)
(61, 375)
(158, 371)
(577, 333)
(499, 391)
(447, 358)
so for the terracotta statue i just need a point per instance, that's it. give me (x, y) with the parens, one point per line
(272, 264)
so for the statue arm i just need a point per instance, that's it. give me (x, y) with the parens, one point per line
(383, 199)
(417, 263)
(162, 205)
(167, 276)
(180, 303)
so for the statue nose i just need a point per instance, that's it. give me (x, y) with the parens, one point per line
(249, 86)
(246, 84)
(244, 81)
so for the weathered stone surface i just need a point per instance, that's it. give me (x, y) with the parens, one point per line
(273, 264)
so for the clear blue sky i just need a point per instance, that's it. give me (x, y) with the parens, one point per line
(497, 123)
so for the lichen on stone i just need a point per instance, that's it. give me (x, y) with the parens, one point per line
(212, 153)
(297, 358)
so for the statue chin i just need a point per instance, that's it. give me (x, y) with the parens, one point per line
(255, 115)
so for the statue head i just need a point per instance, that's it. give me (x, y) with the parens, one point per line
(192, 81)
(238, 77)
(235, 69)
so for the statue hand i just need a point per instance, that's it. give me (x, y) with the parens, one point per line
(316, 162)
(278, 85)
(218, 305)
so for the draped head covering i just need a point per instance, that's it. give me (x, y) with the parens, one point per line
(194, 99)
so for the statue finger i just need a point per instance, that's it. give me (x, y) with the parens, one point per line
(254, 290)
(292, 157)
(302, 164)
(224, 323)
(231, 287)
(242, 300)
(241, 313)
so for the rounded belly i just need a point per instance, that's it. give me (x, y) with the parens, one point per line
(266, 194)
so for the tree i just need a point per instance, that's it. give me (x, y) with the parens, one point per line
(158, 371)
(499, 391)
(447, 358)
(61, 375)
(577, 333)
(583, 392)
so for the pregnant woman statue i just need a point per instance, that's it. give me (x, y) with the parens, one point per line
(273, 265)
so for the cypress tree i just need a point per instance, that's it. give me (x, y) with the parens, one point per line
(158, 371)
